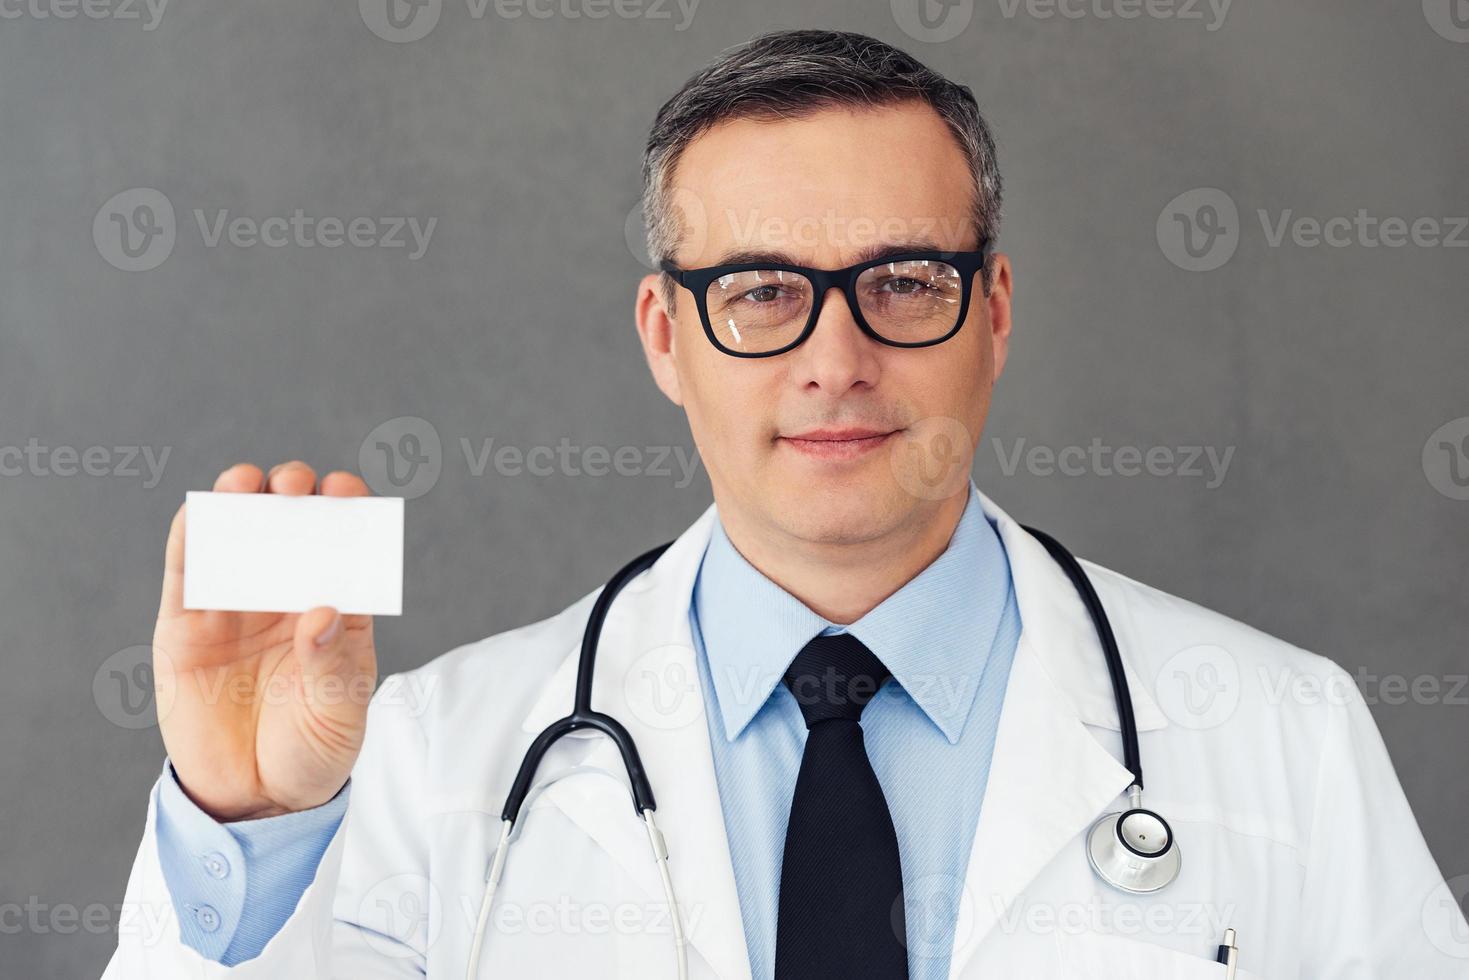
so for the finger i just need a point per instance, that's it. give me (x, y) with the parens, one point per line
(340, 483)
(240, 478)
(322, 649)
(171, 603)
(293, 479)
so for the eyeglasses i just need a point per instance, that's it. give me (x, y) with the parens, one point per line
(760, 309)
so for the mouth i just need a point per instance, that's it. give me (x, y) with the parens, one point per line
(837, 444)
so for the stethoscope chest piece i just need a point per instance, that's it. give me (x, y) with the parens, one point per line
(1133, 850)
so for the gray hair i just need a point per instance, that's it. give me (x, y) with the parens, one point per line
(788, 74)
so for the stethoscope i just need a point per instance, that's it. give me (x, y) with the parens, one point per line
(1132, 850)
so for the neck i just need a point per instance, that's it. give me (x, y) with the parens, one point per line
(842, 581)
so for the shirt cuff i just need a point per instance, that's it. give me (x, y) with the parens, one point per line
(235, 884)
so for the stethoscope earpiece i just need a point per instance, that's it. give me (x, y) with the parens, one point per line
(1133, 850)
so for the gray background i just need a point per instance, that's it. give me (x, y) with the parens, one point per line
(1326, 368)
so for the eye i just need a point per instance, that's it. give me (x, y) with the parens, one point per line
(906, 286)
(762, 294)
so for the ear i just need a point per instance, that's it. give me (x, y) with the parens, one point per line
(656, 329)
(998, 304)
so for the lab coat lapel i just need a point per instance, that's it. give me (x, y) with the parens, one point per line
(1049, 778)
(647, 679)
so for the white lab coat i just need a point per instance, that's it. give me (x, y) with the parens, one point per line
(1264, 758)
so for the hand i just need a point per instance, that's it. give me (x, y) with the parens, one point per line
(261, 713)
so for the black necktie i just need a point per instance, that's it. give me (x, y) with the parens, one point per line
(841, 883)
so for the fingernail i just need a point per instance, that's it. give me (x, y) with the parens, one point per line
(330, 633)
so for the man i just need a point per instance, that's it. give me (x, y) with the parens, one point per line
(874, 710)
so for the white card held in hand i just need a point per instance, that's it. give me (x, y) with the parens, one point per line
(268, 552)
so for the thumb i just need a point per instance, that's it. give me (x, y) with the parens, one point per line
(336, 670)
(320, 640)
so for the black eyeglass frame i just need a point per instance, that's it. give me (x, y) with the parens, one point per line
(697, 281)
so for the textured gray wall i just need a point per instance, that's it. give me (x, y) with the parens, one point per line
(1326, 370)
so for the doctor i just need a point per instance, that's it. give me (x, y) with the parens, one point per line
(873, 708)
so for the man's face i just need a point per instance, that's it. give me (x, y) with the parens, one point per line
(829, 190)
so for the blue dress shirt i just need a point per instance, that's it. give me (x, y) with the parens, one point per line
(235, 884)
(948, 636)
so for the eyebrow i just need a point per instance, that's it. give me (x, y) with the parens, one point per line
(870, 254)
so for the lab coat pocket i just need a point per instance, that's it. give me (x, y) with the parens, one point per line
(1097, 956)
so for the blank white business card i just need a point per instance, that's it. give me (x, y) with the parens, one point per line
(268, 552)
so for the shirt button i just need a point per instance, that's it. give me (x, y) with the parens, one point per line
(207, 918)
(216, 864)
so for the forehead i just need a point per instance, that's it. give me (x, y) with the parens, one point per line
(824, 186)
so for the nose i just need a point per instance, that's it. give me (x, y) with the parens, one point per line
(837, 354)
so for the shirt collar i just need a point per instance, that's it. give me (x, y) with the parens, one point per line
(934, 633)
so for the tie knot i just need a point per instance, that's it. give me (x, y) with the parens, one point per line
(834, 676)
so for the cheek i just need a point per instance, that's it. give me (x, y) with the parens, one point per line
(726, 398)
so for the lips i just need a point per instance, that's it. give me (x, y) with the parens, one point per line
(838, 435)
(837, 444)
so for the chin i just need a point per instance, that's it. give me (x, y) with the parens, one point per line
(839, 510)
